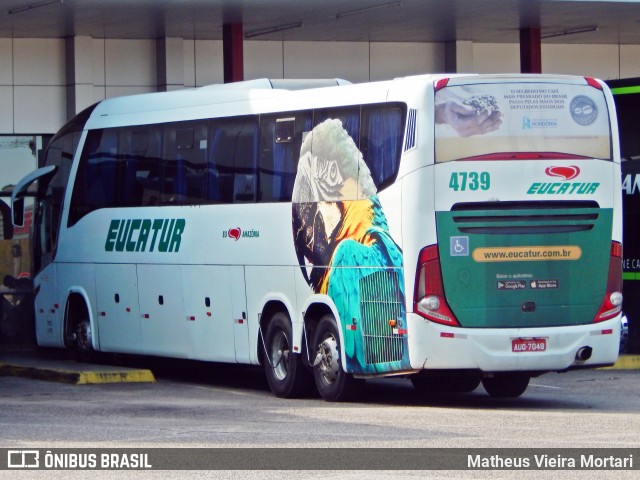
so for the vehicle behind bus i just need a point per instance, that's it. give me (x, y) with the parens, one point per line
(626, 94)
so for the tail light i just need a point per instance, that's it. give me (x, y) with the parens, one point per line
(440, 84)
(429, 300)
(612, 303)
(593, 82)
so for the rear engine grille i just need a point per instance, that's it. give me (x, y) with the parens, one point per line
(525, 218)
(381, 301)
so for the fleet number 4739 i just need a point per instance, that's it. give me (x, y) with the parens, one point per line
(461, 181)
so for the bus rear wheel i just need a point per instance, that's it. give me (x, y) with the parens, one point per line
(332, 382)
(439, 384)
(286, 374)
(508, 385)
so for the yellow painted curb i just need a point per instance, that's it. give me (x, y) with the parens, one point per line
(81, 376)
(627, 362)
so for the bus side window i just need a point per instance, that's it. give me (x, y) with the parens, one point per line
(233, 155)
(349, 116)
(184, 160)
(281, 138)
(139, 148)
(381, 142)
(245, 162)
(95, 183)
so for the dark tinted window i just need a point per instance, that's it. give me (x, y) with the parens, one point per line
(281, 137)
(184, 166)
(349, 116)
(381, 142)
(231, 160)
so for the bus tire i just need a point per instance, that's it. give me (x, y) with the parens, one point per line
(508, 385)
(466, 384)
(286, 374)
(83, 341)
(332, 382)
(440, 384)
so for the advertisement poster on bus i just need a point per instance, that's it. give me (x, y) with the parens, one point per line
(523, 117)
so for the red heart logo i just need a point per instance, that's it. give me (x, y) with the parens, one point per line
(235, 233)
(567, 173)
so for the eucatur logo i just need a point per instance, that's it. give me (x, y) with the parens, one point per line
(237, 233)
(564, 186)
(566, 173)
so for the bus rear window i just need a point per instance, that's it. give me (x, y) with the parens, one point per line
(506, 121)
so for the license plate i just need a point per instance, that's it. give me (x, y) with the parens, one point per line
(528, 345)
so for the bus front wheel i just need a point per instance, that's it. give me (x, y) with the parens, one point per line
(332, 382)
(83, 342)
(286, 374)
(508, 385)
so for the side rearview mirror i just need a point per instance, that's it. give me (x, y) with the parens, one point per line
(7, 225)
(17, 212)
(20, 190)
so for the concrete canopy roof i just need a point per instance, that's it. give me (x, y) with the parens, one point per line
(482, 21)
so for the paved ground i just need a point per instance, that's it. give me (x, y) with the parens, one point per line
(55, 365)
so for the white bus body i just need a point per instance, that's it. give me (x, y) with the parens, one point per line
(454, 229)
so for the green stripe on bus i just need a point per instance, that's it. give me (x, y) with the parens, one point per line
(630, 276)
(625, 90)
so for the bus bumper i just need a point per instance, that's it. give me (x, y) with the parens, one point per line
(435, 346)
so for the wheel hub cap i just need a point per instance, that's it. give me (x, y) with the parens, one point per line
(328, 353)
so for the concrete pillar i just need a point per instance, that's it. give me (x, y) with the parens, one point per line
(232, 51)
(79, 71)
(170, 64)
(458, 57)
(530, 50)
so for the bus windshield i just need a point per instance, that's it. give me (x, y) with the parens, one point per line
(504, 121)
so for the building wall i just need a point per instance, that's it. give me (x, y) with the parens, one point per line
(581, 60)
(32, 85)
(34, 73)
(629, 61)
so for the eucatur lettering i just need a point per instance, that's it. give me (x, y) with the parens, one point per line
(145, 235)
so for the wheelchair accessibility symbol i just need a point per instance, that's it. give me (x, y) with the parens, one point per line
(459, 246)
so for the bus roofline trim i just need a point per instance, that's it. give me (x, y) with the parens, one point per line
(280, 84)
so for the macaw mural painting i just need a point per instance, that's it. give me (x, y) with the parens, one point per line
(345, 249)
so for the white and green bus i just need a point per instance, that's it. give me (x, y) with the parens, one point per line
(453, 229)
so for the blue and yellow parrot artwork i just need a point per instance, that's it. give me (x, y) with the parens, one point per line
(344, 246)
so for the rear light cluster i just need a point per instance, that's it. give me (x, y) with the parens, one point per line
(612, 303)
(429, 300)
(593, 82)
(440, 84)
